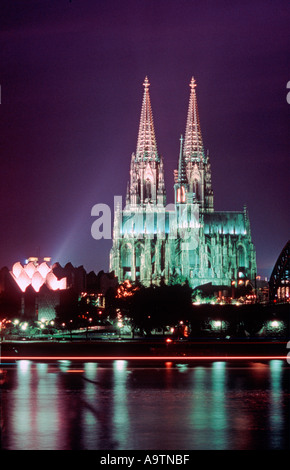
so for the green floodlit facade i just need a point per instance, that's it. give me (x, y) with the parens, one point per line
(188, 240)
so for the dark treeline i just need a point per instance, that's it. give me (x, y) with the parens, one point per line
(156, 307)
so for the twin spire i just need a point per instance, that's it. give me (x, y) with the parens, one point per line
(146, 145)
(193, 177)
(193, 145)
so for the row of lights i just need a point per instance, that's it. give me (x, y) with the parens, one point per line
(24, 325)
(273, 324)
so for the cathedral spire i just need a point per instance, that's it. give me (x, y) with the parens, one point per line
(146, 144)
(193, 145)
(146, 172)
(181, 185)
(181, 178)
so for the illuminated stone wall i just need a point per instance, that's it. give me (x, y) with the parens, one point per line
(201, 253)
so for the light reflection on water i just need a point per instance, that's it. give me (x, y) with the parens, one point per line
(122, 406)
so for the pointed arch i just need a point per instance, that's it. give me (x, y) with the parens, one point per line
(126, 255)
(241, 256)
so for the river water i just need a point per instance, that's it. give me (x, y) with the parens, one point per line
(122, 405)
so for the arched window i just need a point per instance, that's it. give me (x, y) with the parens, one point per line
(148, 189)
(138, 256)
(208, 256)
(193, 258)
(196, 189)
(126, 253)
(181, 194)
(241, 257)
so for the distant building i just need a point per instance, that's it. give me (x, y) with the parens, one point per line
(36, 287)
(36, 275)
(262, 290)
(187, 240)
(34, 290)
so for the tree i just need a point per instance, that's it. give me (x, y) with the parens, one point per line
(157, 307)
(68, 308)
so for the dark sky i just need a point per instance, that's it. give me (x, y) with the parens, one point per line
(71, 75)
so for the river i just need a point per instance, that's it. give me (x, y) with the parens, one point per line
(120, 405)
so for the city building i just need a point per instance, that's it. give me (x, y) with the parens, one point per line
(156, 242)
(35, 289)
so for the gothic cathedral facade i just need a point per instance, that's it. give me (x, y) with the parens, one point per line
(157, 242)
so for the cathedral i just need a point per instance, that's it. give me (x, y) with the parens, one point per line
(157, 242)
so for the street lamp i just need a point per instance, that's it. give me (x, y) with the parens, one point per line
(120, 325)
(218, 324)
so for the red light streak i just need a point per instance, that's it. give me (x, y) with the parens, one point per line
(141, 358)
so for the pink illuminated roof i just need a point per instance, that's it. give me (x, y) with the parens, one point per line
(37, 281)
(36, 276)
(30, 269)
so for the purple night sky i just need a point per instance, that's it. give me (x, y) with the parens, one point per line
(71, 75)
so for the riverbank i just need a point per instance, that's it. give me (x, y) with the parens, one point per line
(134, 349)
